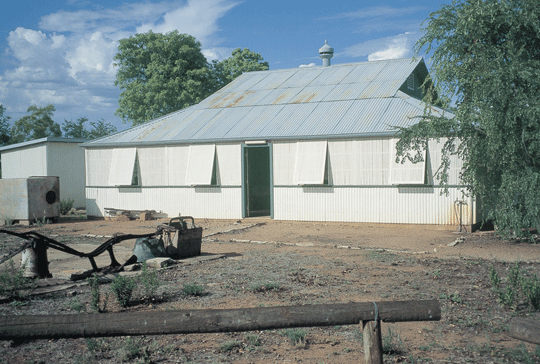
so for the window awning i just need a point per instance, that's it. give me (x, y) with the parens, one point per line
(310, 163)
(122, 163)
(200, 164)
(406, 173)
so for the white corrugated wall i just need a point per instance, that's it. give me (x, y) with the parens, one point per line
(199, 202)
(406, 205)
(23, 163)
(66, 160)
(360, 189)
(164, 187)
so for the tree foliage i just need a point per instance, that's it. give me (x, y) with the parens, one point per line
(240, 61)
(38, 124)
(77, 129)
(161, 73)
(486, 60)
(5, 129)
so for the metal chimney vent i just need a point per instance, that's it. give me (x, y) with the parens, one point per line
(326, 52)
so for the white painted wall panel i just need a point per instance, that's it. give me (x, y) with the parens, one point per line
(407, 205)
(66, 161)
(199, 202)
(23, 163)
(98, 165)
(229, 163)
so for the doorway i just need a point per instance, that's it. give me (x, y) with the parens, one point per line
(257, 180)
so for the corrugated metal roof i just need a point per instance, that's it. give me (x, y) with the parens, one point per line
(335, 101)
(43, 140)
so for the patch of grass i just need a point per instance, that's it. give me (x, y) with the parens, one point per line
(297, 337)
(229, 346)
(131, 349)
(66, 205)
(392, 343)
(452, 297)
(192, 289)
(252, 341)
(518, 287)
(263, 287)
(522, 355)
(76, 305)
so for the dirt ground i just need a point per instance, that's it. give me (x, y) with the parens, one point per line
(303, 263)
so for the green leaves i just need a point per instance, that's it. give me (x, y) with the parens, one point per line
(155, 71)
(39, 124)
(486, 62)
(162, 73)
(77, 129)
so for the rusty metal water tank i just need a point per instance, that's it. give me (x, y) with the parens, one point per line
(29, 199)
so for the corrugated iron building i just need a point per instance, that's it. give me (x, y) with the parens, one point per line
(51, 156)
(311, 144)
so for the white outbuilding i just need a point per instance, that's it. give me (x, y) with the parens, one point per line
(51, 156)
(312, 144)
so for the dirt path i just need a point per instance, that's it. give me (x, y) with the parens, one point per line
(307, 263)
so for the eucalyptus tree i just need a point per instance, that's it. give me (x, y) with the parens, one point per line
(161, 73)
(486, 64)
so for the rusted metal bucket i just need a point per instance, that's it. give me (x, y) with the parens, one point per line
(187, 238)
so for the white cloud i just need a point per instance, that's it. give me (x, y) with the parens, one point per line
(68, 60)
(198, 18)
(395, 47)
(217, 53)
(375, 12)
(308, 65)
(93, 54)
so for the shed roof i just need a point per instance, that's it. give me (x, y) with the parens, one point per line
(360, 99)
(41, 141)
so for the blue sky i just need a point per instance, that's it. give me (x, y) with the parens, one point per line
(60, 51)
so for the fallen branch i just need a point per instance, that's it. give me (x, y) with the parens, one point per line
(211, 321)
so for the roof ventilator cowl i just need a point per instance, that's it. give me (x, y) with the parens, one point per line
(326, 52)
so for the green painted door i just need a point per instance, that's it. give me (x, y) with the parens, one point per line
(257, 180)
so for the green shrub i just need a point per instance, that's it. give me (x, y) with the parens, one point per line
(13, 281)
(531, 290)
(392, 343)
(96, 294)
(66, 206)
(148, 283)
(517, 287)
(122, 287)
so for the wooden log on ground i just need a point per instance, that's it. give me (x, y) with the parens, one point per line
(209, 321)
(526, 329)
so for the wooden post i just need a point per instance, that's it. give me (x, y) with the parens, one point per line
(526, 329)
(372, 342)
(207, 321)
